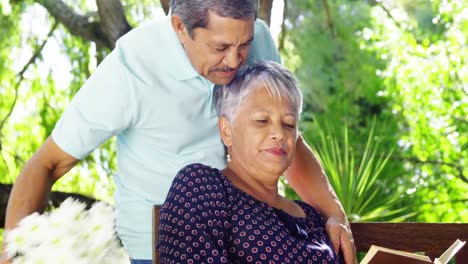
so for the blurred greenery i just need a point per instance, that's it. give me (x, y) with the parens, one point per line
(356, 174)
(385, 88)
(403, 63)
(37, 100)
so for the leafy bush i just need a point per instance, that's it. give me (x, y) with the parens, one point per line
(357, 174)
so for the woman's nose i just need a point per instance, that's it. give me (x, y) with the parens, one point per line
(277, 132)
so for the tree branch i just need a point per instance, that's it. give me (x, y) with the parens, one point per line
(456, 74)
(265, 10)
(283, 33)
(464, 91)
(15, 155)
(85, 26)
(113, 21)
(389, 14)
(330, 23)
(104, 29)
(165, 6)
(4, 162)
(460, 119)
(31, 61)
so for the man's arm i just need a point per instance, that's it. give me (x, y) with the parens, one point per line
(308, 179)
(31, 190)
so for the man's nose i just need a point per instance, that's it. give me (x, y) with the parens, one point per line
(232, 59)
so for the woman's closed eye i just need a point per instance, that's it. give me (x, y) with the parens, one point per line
(290, 125)
(261, 122)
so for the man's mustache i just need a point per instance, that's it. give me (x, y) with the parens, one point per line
(223, 69)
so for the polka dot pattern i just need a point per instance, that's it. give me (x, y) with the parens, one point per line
(206, 219)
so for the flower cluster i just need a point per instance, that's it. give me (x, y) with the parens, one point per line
(68, 234)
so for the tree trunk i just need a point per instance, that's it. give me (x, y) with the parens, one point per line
(165, 6)
(113, 21)
(265, 10)
(104, 28)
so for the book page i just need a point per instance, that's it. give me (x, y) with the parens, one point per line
(450, 252)
(381, 255)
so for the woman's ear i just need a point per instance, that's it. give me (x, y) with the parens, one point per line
(225, 130)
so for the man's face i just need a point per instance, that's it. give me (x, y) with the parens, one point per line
(217, 51)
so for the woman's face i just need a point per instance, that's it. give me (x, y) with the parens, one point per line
(263, 136)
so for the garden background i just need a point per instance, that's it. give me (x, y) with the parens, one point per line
(385, 88)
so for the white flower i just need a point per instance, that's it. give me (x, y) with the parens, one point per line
(68, 234)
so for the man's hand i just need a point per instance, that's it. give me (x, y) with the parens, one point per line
(341, 238)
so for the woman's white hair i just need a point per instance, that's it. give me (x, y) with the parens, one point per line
(278, 81)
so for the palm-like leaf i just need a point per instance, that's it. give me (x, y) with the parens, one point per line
(356, 176)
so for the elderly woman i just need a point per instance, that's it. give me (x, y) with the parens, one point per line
(236, 215)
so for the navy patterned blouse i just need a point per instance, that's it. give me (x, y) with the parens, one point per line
(206, 219)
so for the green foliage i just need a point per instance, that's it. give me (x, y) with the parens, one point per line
(357, 174)
(137, 11)
(9, 40)
(44, 92)
(426, 80)
(403, 62)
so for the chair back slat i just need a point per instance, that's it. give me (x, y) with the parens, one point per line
(156, 212)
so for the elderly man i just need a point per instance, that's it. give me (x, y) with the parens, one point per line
(154, 93)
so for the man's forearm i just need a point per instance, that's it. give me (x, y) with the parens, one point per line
(32, 187)
(307, 178)
(31, 190)
(30, 193)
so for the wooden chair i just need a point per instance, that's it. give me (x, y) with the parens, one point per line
(431, 238)
(156, 211)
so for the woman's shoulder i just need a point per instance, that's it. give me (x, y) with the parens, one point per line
(199, 177)
(198, 171)
(197, 186)
(198, 167)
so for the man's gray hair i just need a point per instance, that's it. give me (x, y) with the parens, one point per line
(278, 80)
(194, 13)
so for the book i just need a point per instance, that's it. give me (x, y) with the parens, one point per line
(382, 255)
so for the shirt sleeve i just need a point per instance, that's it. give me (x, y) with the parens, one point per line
(263, 46)
(193, 219)
(101, 108)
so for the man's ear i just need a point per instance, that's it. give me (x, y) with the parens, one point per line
(225, 130)
(179, 28)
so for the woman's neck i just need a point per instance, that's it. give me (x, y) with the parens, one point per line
(265, 192)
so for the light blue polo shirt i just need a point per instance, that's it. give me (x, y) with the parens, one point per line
(148, 95)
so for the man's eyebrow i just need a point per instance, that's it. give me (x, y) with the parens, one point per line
(223, 44)
(248, 41)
